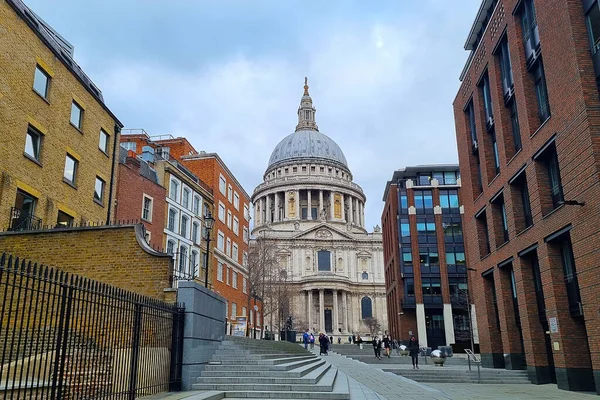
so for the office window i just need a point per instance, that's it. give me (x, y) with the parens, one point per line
(452, 230)
(236, 200)
(195, 230)
(246, 212)
(76, 115)
(186, 198)
(366, 307)
(233, 310)
(404, 230)
(184, 225)
(449, 201)
(541, 91)
(234, 279)
(482, 234)
(455, 256)
(99, 190)
(222, 185)
(182, 258)
(426, 231)
(500, 220)
(103, 141)
(571, 281)
(514, 123)
(41, 82)
(221, 241)
(470, 110)
(228, 248)
(221, 212)
(174, 190)
(230, 194)
(236, 225)
(450, 178)
(423, 201)
(70, 173)
(429, 261)
(529, 26)
(487, 102)
(64, 219)
(548, 161)
(431, 287)
(423, 179)
(33, 143)
(324, 260)
(403, 203)
(196, 205)
(505, 69)
(234, 252)
(172, 219)
(220, 272)
(229, 219)
(458, 286)
(495, 152)
(409, 287)
(521, 203)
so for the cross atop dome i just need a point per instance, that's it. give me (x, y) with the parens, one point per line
(306, 112)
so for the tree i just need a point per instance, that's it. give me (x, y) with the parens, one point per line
(372, 325)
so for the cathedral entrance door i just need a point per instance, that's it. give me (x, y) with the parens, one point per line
(328, 321)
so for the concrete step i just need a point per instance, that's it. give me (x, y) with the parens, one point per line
(293, 373)
(325, 384)
(246, 356)
(456, 376)
(267, 361)
(310, 378)
(252, 367)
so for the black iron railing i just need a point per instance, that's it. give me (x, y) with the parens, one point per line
(23, 221)
(63, 336)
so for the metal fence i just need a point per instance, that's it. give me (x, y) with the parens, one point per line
(63, 336)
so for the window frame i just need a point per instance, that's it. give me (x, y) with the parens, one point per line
(222, 185)
(100, 199)
(76, 105)
(236, 200)
(219, 271)
(183, 226)
(106, 136)
(221, 215)
(33, 132)
(48, 78)
(72, 182)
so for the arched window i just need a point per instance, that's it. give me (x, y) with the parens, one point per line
(182, 258)
(366, 308)
(365, 275)
(171, 247)
(324, 260)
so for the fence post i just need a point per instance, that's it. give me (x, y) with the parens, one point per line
(135, 351)
(63, 336)
(177, 350)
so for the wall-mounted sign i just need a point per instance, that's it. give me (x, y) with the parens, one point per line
(553, 325)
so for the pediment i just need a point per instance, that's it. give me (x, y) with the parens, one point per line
(324, 232)
(363, 254)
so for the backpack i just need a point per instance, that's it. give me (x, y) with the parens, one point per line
(311, 339)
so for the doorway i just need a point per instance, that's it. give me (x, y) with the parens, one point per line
(328, 321)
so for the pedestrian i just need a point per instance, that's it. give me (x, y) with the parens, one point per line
(305, 339)
(387, 342)
(311, 340)
(413, 348)
(359, 341)
(353, 339)
(323, 339)
(377, 347)
(339, 340)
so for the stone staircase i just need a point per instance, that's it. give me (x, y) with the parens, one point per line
(454, 375)
(367, 356)
(248, 368)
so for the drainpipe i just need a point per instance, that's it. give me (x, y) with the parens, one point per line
(112, 171)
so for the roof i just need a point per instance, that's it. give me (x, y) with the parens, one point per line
(481, 21)
(304, 144)
(409, 172)
(145, 170)
(61, 48)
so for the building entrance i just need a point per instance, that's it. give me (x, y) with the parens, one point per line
(328, 321)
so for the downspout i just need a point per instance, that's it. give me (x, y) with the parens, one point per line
(112, 172)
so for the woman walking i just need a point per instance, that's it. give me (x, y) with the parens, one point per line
(387, 344)
(377, 347)
(413, 348)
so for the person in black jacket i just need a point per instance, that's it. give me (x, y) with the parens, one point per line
(387, 344)
(413, 348)
(323, 343)
(377, 347)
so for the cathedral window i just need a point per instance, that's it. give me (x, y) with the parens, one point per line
(324, 259)
(365, 275)
(366, 308)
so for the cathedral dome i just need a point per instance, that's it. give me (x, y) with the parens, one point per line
(307, 143)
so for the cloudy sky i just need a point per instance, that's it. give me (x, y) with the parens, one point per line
(228, 74)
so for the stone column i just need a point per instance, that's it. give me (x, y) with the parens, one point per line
(345, 310)
(276, 207)
(361, 207)
(343, 207)
(322, 310)
(335, 312)
(310, 308)
(331, 204)
(297, 200)
(268, 216)
(309, 197)
(285, 205)
(263, 210)
(320, 202)
(351, 210)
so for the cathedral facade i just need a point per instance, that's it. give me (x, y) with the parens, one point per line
(312, 213)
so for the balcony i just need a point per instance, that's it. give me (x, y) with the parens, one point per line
(23, 221)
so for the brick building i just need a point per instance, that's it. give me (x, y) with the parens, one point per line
(184, 203)
(58, 137)
(526, 123)
(231, 233)
(425, 267)
(141, 197)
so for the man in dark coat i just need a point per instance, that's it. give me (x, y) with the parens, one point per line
(413, 348)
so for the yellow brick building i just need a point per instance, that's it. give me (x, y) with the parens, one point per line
(57, 137)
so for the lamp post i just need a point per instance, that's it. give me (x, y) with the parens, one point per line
(208, 225)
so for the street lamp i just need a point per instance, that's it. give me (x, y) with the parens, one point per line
(209, 221)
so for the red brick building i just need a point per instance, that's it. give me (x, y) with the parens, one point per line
(425, 268)
(140, 197)
(527, 130)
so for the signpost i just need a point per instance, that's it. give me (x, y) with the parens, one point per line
(239, 326)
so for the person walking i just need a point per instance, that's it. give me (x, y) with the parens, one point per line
(323, 344)
(413, 348)
(311, 340)
(305, 339)
(377, 347)
(387, 343)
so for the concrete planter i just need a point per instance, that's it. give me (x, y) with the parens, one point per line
(438, 358)
(404, 352)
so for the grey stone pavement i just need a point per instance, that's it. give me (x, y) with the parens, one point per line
(371, 382)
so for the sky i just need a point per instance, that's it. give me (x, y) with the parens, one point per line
(228, 75)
